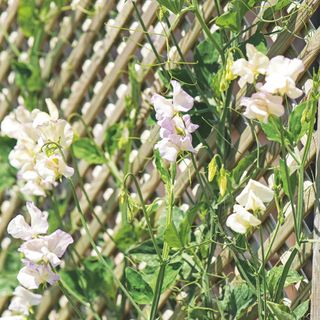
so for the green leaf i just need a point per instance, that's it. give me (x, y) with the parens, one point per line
(259, 41)
(206, 52)
(112, 138)
(280, 312)
(172, 237)
(145, 252)
(99, 280)
(86, 149)
(27, 18)
(272, 129)
(232, 19)
(71, 280)
(293, 179)
(248, 162)
(162, 169)
(229, 20)
(150, 274)
(7, 172)
(301, 310)
(237, 298)
(139, 289)
(28, 76)
(185, 225)
(274, 275)
(299, 121)
(174, 6)
(126, 237)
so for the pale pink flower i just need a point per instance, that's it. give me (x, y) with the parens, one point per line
(23, 300)
(19, 229)
(281, 76)
(169, 148)
(181, 126)
(48, 248)
(248, 70)
(241, 220)
(167, 108)
(261, 105)
(32, 275)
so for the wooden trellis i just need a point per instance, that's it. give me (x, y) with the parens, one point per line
(86, 60)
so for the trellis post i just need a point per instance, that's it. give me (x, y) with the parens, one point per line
(315, 288)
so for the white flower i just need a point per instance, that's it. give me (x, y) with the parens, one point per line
(167, 108)
(58, 131)
(19, 229)
(52, 168)
(48, 248)
(32, 275)
(241, 220)
(13, 124)
(23, 300)
(281, 76)
(261, 105)
(257, 63)
(41, 137)
(8, 315)
(254, 195)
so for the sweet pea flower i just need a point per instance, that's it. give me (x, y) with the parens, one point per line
(281, 76)
(167, 108)
(261, 105)
(23, 300)
(47, 249)
(8, 315)
(169, 148)
(248, 70)
(19, 229)
(59, 132)
(175, 128)
(254, 195)
(241, 220)
(32, 275)
(52, 168)
(180, 126)
(41, 139)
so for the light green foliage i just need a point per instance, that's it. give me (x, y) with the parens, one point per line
(85, 149)
(173, 5)
(7, 172)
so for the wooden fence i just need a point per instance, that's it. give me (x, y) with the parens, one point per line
(86, 60)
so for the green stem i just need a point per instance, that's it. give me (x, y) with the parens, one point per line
(262, 269)
(206, 30)
(101, 259)
(74, 306)
(166, 248)
(145, 213)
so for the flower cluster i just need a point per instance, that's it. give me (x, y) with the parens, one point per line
(280, 74)
(41, 139)
(41, 254)
(252, 198)
(175, 128)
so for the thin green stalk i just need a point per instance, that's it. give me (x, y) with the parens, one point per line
(74, 306)
(263, 275)
(166, 248)
(206, 30)
(101, 259)
(149, 40)
(157, 291)
(283, 151)
(145, 213)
